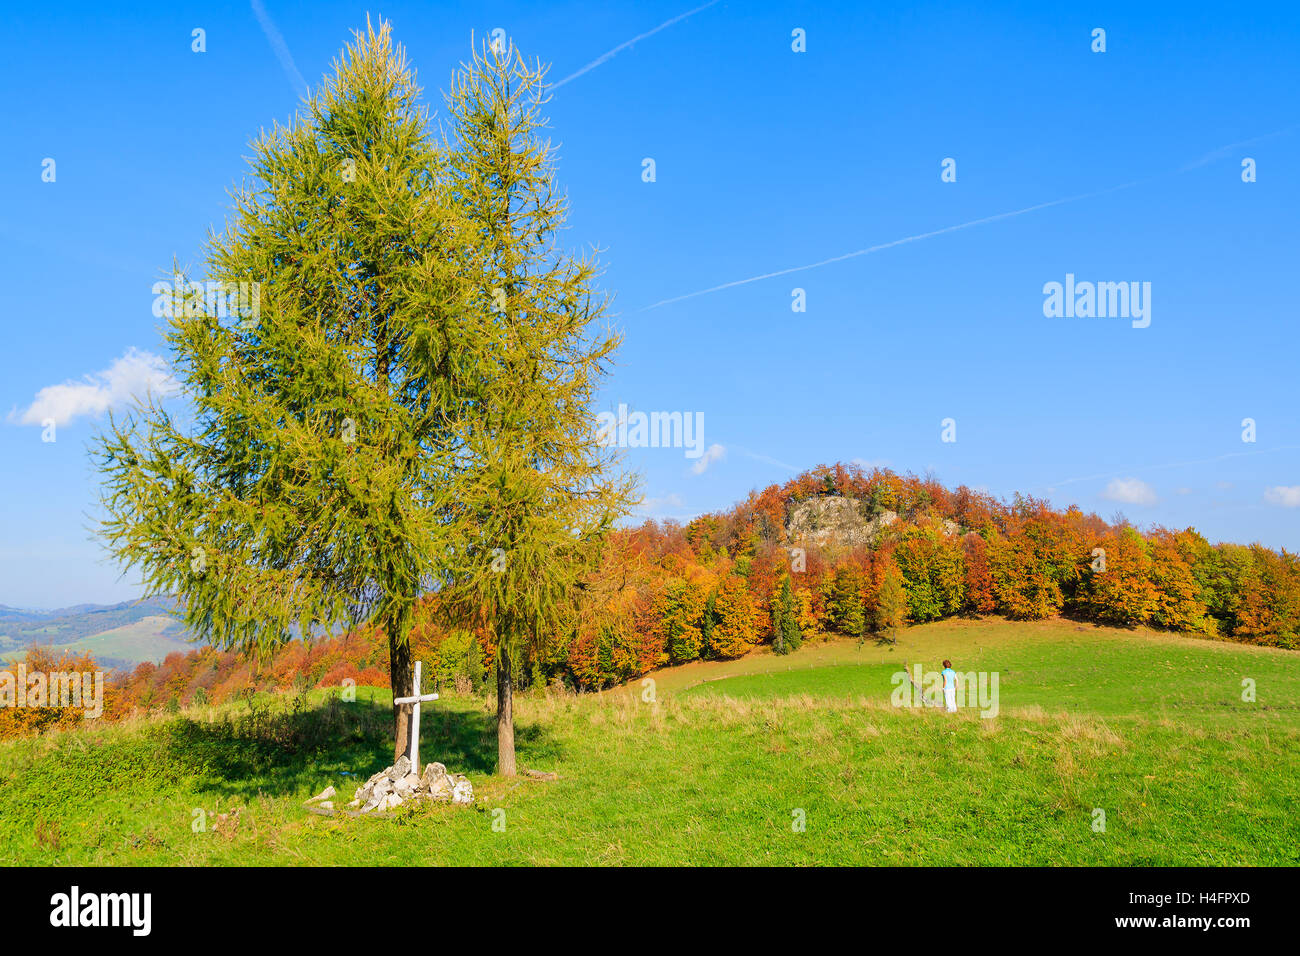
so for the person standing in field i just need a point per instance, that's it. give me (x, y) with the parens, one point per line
(949, 687)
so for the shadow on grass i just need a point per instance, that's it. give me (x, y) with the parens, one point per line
(279, 751)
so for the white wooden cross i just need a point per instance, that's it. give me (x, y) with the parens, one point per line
(415, 700)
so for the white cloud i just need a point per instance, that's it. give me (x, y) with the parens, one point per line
(1130, 491)
(866, 464)
(134, 375)
(1286, 496)
(711, 454)
(652, 506)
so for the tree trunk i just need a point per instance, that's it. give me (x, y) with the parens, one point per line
(400, 674)
(505, 717)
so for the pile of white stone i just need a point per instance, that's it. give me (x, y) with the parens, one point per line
(397, 785)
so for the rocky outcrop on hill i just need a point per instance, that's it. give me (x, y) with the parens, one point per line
(832, 521)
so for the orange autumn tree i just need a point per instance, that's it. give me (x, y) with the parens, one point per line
(981, 597)
(615, 637)
(1177, 605)
(1024, 587)
(41, 663)
(1118, 589)
(1268, 610)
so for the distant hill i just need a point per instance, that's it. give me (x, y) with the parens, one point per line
(8, 613)
(119, 635)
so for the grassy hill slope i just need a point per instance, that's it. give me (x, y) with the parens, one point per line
(118, 634)
(148, 639)
(1059, 664)
(725, 763)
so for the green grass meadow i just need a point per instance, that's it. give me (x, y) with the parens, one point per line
(797, 760)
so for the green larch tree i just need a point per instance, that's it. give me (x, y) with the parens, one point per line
(543, 490)
(315, 486)
(786, 636)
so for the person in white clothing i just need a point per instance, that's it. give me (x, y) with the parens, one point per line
(949, 687)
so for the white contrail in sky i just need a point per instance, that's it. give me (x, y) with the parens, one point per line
(1207, 158)
(278, 45)
(765, 459)
(1225, 150)
(623, 46)
(1170, 464)
(889, 245)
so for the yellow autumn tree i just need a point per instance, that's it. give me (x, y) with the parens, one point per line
(735, 631)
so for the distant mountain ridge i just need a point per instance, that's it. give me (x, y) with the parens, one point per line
(122, 634)
(124, 611)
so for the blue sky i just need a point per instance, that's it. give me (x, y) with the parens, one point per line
(766, 160)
